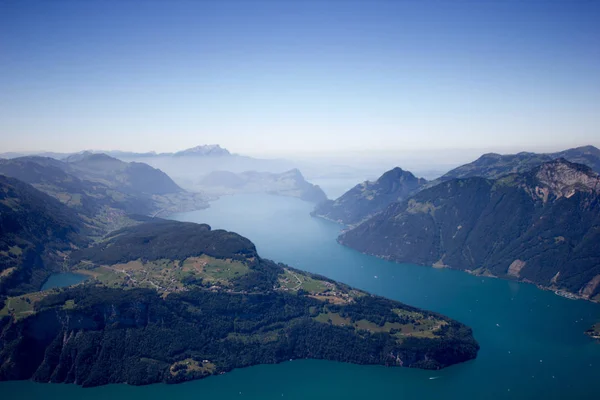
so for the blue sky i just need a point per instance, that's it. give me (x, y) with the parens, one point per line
(299, 76)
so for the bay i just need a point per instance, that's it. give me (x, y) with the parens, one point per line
(532, 341)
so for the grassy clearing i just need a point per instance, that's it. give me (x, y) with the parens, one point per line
(214, 270)
(291, 281)
(69, 199)
(335, 318)
(294, 281)
(105, 276)
(372, 327)
(333, 298)
(69, 305)
(22, 306)
(15, 250)
(204, 367)
(408, 314)
(167, 275)
(423, 328)
(312, 285)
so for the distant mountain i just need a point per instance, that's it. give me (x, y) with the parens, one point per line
(12, 154)
(586, 155)
(368, 198)
(36, 231)
(494, 165)
(223, 179)
(50, 154)
(290, 183)
(205, 150)
(541, 226)
(97, 185)
(132, 178)
(130, 154)
(59, 180)
(202, 150)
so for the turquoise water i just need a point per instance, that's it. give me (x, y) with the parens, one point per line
(63, 280)
(532, 341)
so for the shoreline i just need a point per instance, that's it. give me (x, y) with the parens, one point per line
(558, 292)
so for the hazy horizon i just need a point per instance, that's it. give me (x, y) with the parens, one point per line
(327, 153)
(280, 78)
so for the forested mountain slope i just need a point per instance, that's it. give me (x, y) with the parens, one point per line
(36, 231)
(368, 198)
(172, 301)
(541, 226)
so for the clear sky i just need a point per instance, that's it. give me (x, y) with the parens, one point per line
(297, 76)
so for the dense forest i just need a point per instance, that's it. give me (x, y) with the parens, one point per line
(135, 336)
(165, 239)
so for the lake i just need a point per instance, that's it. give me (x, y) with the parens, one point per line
(63, 279)
(532, 341)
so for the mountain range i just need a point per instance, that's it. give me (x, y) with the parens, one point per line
(494, 165)
(102, 188)
(207, 150)
(540, 226)
(290, 183)
(368, 198)
(171, 301)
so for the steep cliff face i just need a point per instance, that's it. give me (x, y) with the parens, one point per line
(560, 178)
(369, 198)
(62, 345)
(541, 226)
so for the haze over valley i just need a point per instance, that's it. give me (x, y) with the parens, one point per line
(295, 199)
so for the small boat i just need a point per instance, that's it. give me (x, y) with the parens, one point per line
(433, 377)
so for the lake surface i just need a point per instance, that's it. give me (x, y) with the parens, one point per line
(532, 341)
(63, 280)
